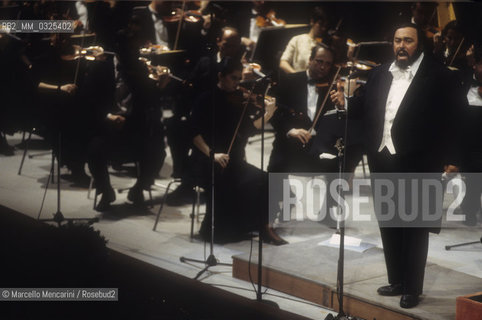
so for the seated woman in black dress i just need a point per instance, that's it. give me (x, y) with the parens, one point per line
(240, 189)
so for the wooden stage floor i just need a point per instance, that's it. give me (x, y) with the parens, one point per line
(300, 276)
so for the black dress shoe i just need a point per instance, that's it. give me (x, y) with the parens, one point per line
(271, 237)
(108, 197)
(409, 301)
(390, 290)
(135, 195)
(7, 149)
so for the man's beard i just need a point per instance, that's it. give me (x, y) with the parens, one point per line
(404, 64)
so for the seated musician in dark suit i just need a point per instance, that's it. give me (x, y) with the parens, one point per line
(66, 99)
(472, 160)
(295, 148)
(154, 28)
(160, 24)
(134, 132)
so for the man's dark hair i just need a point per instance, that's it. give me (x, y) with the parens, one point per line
(453, 25)
(315, 49)
(421, 39)
(229, 65)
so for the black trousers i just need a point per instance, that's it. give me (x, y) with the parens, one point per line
(405, 246)
(471, 204)
(126, 146)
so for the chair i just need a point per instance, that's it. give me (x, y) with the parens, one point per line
(26, 143)
(196, 204)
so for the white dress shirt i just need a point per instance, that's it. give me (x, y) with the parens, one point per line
(82, 12)
(254, 30)
(312, 99)
(402, 78)
(473, 96)
(159, 28)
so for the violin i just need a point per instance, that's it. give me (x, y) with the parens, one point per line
(342, 79)
(156, 72)
(91, 53)
(190, 16)
(153, 49)
(269, 20)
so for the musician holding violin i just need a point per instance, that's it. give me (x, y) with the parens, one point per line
(132, 127)
(299, 101)
(472, 159)
(221, 125)
(71, 91)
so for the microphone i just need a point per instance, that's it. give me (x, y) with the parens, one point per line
(373, 43)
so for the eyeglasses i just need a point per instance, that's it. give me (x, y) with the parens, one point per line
(323, 62)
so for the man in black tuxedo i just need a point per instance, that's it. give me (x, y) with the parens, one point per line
(408, 108)
(299, 99)
(472, 159)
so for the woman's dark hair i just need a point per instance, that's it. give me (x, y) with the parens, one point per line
(318, 14)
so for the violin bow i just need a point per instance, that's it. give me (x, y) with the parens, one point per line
(318, 114)
(456, 51)
(78, 59)
(245, 106)
(179, 24)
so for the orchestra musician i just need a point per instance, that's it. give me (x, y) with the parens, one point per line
(154, 28)
(203, 78)
(134, 131)
(451, 45)
(221, 129)
(295, 57)
(472, 159)
(410, 113)
(299, 100)
(60, 75)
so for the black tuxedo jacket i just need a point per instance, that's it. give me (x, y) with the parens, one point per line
(292, 104)
(427, 124)
(147, 25)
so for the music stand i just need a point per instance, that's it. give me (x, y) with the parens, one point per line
(272, 42)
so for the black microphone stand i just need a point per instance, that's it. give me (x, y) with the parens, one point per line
(341, 148)
(211, 260)
(58, 217)
(259, 293)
